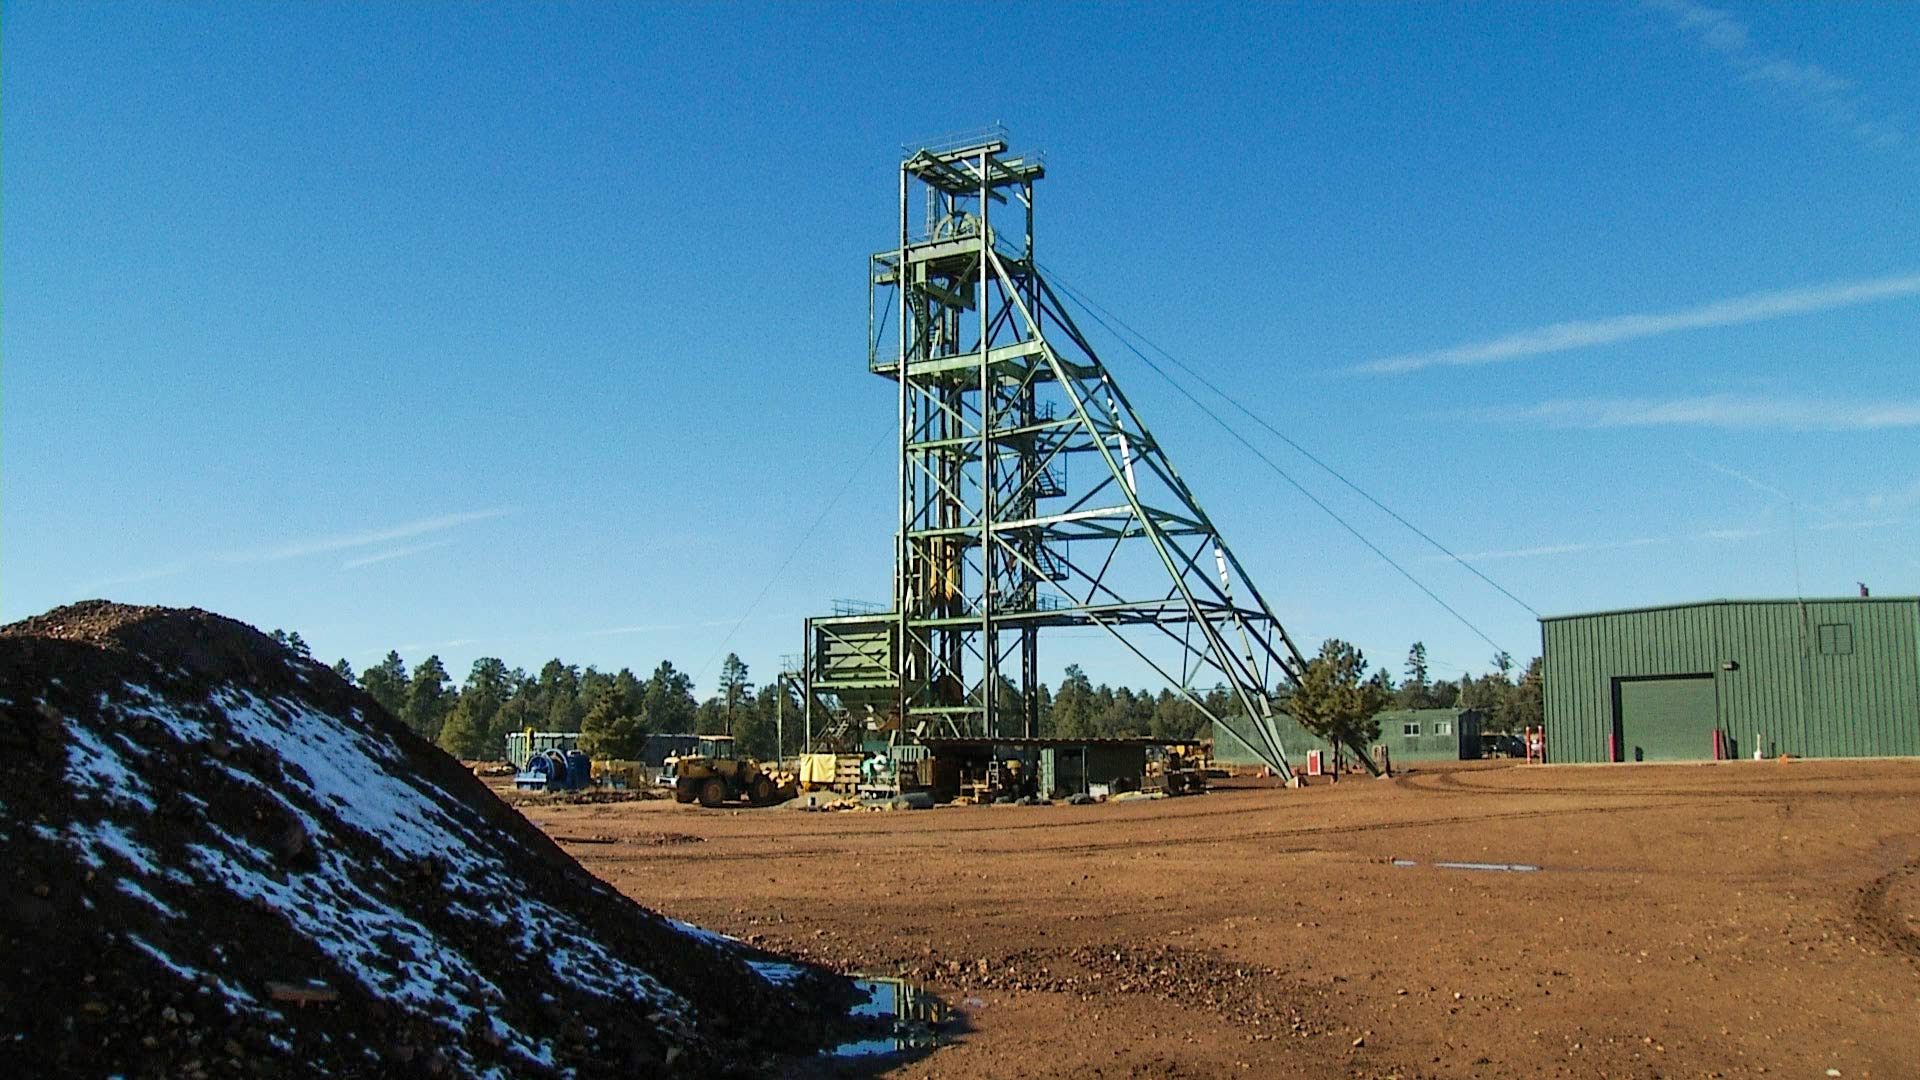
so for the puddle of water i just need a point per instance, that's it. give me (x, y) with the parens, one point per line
(902, 1016)
(1510, 868)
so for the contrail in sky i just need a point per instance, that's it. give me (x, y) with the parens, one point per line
(1834, 98)
(1562, 336)
(316, 545)
(1757, 485)
(396, 553)
(1718, 410)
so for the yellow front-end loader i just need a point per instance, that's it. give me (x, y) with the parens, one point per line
(716, 775)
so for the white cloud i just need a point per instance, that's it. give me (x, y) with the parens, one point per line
(656, 628)
(321, 544)
(396, 553)
(1705, 536)
(1719, 410)
(1875, 523)
(87, 588)
(1835, 99)
(1756, 485)
(1733, 534)
(1556, 549)
(1562, 336)
(294, 549)
(1893, 500)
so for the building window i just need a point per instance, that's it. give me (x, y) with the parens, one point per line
(1443, 727)
(1836, 639)
(1410, 728)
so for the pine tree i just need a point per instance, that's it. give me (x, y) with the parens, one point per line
(292, 643)
(608, 730)
(470, 728)
(733, 686)
(1336, 700)
(1174, 717)
(633, 692)
(710, 717)
(560, 703)
(427, 701)
(1075, 707)
(1524, 706)
(753, 732)
(1415, 693)
(386, 683)
(518, 713)
(669, 700)
(464, 735)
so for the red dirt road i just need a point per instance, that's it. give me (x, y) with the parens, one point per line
(1743, 919)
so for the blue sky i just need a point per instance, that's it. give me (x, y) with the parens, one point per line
(537, 330)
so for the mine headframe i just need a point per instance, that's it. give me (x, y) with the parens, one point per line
(1031, 494)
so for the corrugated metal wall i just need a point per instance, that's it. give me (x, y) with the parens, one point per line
(1234, 739)
(1230, 746)
(1792, 689)
(1460, 743)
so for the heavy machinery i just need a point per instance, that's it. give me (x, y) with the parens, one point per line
(715, 774)
(1179, 771)
(553, 770)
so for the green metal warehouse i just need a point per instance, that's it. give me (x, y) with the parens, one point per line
(1729, 678)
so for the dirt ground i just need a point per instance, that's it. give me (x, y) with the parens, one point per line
(1740, 919)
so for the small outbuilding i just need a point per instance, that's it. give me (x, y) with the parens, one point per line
(1430, 734)
(1734, 678)
(1408, 735)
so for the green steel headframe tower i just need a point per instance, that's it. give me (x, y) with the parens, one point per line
(1032, 496)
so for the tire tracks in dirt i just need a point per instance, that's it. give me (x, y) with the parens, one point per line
(658, 855)
(1451, 783)
(1875, 910)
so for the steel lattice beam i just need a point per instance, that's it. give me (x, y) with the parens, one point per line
(1032, 496)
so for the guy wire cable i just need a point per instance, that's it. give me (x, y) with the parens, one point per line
(1088, 303)
(721, 650)
(1283, 474)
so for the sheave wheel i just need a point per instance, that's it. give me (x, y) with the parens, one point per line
(762, 791)
(713, 792)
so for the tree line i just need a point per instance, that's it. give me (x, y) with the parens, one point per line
(615, 711)
(1510, 701)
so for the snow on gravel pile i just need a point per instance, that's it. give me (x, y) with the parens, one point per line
(222, 860)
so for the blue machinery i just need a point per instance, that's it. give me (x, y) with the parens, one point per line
(555, 770)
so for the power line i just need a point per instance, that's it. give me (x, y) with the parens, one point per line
(791, 555)
(1083, 298)
(1282, 473)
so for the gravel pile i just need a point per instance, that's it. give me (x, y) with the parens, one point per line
(223, 860)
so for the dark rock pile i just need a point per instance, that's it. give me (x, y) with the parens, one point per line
(223, 860)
